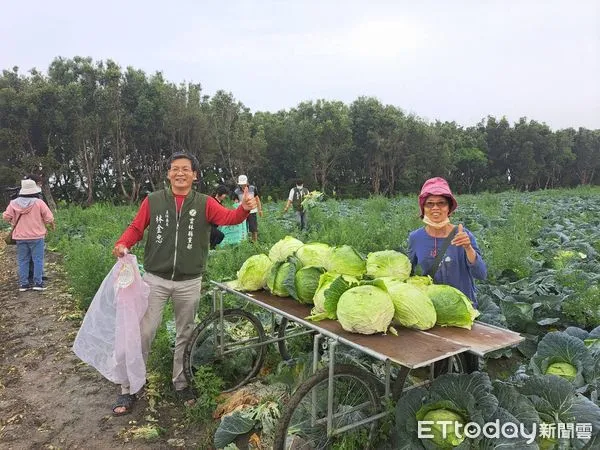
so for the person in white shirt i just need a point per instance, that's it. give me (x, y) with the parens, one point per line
(295, 198)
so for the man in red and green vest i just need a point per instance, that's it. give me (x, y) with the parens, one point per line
(178, 220)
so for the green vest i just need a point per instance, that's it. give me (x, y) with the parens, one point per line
(177, 246)
(299, 195)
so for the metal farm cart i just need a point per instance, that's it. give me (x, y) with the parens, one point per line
(340, 399)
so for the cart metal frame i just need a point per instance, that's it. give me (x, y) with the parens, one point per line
(436, 344)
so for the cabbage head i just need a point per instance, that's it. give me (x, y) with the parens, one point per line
(314, 254)
(562, 369)
(345, 260)
(281, 279)
(412, 307)
(420, 281)
(284, 248)
(547, 443)
(307, 281)
(331, 287)
(365, 309)
(388, 263)
(253, 274)
(453, 308)
(559, 353)
(565, 257)
(449, 439)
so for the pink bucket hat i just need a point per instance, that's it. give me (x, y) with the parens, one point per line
(436, 186)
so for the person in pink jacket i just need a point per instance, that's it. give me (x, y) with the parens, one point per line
(29, 215)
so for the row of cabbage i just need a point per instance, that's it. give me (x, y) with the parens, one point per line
(365, 294)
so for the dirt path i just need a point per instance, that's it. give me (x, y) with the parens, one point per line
(48, 398)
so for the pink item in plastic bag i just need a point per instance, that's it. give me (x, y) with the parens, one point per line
(109, 338)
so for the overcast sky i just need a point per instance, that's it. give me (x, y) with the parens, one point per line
(448, 60)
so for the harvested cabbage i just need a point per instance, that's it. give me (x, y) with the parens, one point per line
(453, 308)
(281, 279)
(345, 260)
(307, 281)
(388, 263)
(365, 309)
(412, 307)
(282, 249)
(253, 274)
(314, 254)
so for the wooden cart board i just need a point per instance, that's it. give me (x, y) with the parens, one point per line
(482, 338)
(411, 348)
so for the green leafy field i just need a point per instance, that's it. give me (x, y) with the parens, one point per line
(542, 250)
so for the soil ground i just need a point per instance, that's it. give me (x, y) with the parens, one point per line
(49, 399)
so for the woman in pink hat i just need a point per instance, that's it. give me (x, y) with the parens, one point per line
(461, 262)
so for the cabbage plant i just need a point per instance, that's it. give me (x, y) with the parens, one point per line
(559, 353)
(557, 401)
(365, 309)
(388, 263)
(590, 339)
(461, 399)
(453, 308)
(565, 257)
(284, 248)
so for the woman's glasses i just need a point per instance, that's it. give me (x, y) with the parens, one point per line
(439, 204)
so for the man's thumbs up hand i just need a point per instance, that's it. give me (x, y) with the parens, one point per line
(248, 202)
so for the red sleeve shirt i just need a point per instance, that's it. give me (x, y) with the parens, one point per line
(215, 213)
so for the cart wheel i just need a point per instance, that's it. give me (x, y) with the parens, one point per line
(303, 424)
(236, 368)
(293, 347)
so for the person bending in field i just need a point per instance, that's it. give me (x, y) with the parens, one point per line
(178, 220)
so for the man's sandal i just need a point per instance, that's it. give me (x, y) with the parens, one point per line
(187, 396)
(123, 401)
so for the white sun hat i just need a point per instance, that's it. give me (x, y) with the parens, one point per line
(29, 187)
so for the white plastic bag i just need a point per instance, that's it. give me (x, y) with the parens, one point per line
(109, 338)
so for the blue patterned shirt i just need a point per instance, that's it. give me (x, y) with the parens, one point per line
(454, 270)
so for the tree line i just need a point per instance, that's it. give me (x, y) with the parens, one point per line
(97, 132)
